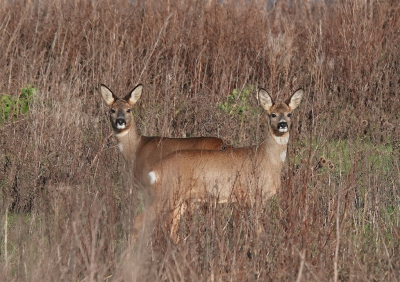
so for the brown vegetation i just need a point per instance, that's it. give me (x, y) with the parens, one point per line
(65, 207)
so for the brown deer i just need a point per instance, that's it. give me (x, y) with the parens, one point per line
(235, 174)
(142, 152)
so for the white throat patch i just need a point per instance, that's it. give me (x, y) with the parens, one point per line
(282, 140)
(122, 134)
(120, 147)
(283, 156)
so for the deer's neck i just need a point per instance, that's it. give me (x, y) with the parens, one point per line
(128, 142)
(275, 147)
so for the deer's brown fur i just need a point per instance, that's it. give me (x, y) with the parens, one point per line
(142, 152)
(235, 174)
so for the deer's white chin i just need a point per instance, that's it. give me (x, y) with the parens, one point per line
(121, 126)
(283, 129)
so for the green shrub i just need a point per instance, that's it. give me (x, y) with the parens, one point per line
(237, 103)
(12, 106)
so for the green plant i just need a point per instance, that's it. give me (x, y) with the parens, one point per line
(237, 103)
(13, 106)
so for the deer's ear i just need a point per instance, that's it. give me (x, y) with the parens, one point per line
(295, 99)
(265, 99)
(108, 95)
(134, 95)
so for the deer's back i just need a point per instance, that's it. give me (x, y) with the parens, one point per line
(152, 149)
(223, 174)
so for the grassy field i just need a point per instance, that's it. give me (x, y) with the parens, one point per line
(65, 197)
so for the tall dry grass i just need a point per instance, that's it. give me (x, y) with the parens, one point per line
(65, 209)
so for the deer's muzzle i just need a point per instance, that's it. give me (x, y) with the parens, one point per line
(120, 123)
(283, 126)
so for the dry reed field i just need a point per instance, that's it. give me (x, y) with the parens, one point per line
(66, 196)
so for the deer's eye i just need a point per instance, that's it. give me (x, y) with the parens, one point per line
(289, 115)
(128, 110)
(112, 111)
(273, 115)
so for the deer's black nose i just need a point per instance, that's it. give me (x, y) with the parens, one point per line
(120, 121)
(282, 125)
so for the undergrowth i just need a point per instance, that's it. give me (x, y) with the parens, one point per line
(66, 212)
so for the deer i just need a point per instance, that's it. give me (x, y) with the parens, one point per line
(235, 174)
(142, 152)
